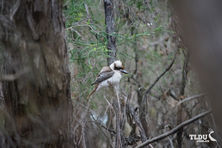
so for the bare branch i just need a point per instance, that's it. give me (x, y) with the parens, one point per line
(190, 98)
(172, 94)
(159, 77)
(174, 130)
(14, 9)
(136, 118)
(87, 11)
(112, 132)
(6, 22)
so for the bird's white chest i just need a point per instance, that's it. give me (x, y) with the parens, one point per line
(114, 80)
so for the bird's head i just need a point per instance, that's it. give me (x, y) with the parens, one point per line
(118, 66)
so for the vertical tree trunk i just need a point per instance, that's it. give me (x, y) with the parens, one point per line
(110, 30)
(111, 45)
(38, 99)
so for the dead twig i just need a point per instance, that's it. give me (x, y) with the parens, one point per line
(159, 77)
(111, 131)
(143, 102)
(135, 117)
(14, 9)
(190, 98)
(174, 130)
(87, 11)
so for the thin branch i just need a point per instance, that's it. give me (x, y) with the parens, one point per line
(174, 130)
(172, 94)
(87, 11)
(136, 119)
(159, 77)
(190, 98)
(111, 131)
(171, 142)
(127, 140)
(14, 9)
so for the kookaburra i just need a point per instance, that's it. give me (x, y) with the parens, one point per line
(109, 76)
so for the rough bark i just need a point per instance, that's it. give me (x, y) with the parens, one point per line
(111, 46)
(110, 30)
(38, 101)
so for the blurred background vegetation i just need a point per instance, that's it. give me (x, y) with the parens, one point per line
(146, 43)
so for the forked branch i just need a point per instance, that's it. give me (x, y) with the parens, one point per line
(174, 130)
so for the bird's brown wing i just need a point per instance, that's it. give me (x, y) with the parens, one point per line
(103, 75)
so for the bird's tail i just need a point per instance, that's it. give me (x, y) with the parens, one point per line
(94, 90)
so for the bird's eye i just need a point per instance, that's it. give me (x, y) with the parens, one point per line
(118, 68)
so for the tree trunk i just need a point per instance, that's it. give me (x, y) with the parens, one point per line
(37, 98)
(110, 30)
(111, 45)
(199, 28)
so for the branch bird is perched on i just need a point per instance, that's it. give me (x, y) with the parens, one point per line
(109, 76)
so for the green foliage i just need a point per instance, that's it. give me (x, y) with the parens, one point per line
(74, 11)
(145, 44)
(87, 41)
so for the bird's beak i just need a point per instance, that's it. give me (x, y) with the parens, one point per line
(123, 71)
